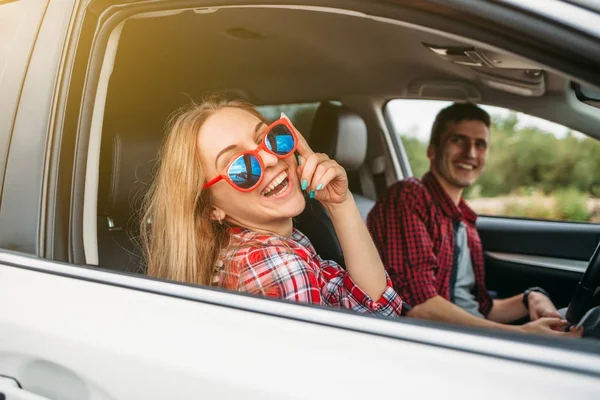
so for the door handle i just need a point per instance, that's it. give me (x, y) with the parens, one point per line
(11, 390)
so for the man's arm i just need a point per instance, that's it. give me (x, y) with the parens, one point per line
(438, 308)
(508, 310)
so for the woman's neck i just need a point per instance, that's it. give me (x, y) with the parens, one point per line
(284, 228)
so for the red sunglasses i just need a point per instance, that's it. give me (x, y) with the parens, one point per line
(246, 171)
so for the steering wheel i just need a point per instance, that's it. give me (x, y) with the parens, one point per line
(589, 286)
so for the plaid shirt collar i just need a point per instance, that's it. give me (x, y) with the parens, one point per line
(463, 212)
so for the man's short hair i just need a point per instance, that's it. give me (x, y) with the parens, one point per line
(455, 113)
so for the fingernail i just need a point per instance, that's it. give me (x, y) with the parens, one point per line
(299, 161)
(312, 194)
(319, 186)
(304, 184)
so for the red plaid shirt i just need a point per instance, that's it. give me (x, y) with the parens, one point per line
(290, 269)
(412, 226)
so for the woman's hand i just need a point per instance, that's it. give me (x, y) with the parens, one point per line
(321, 177)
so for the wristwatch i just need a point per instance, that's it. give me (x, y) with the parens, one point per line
(532, 289)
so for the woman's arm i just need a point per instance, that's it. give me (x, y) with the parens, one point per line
(360, 254)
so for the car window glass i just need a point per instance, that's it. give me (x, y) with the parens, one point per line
(535, 168)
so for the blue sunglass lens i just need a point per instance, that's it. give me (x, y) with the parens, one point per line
(280, 140)
(245, 171)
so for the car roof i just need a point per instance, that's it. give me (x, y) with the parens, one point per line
(277, 55)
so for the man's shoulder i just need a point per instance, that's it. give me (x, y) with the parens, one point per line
(409, 189)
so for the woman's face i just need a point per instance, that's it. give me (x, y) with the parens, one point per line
(222, 137)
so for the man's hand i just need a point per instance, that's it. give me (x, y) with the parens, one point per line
(541, 306)
(551, 326)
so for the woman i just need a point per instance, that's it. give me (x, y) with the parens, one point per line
(222, 203)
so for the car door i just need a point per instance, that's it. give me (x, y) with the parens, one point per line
(522, 253)
(81, 333)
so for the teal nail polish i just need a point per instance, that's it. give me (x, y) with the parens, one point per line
(304, 184)
(312, 194)
(319, 186)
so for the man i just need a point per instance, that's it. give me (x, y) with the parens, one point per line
(425, 233)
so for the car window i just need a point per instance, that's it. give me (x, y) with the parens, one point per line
(535, 168)
(302, 115)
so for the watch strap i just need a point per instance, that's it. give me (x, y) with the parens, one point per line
(532, 289)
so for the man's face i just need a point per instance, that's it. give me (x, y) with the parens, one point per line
(462, 152)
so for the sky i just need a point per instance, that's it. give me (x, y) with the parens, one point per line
(415, 117)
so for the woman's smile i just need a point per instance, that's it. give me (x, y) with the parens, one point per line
(279, 186)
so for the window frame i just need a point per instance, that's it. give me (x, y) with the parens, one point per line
(13, 70)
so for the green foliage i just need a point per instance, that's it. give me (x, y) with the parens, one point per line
(530, 157)
(416, 152)
(567, 204)
(529, 208)
(571, 205)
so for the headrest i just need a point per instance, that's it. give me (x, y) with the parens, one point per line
(341, 134)
(127, 173)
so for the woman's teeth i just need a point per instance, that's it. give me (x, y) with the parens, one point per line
(280, 182)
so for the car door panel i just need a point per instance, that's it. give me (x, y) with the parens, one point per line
(522, 253)
(68, 332)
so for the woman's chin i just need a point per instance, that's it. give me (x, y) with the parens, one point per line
(295, 205)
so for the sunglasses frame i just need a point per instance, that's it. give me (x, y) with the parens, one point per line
(262, 146)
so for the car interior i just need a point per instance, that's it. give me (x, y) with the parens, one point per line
(351, 65)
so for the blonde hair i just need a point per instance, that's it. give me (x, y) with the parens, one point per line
(182, 242)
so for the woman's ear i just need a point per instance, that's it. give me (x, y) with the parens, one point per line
(217, 214)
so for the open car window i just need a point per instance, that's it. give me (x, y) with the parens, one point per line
(535, 169)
